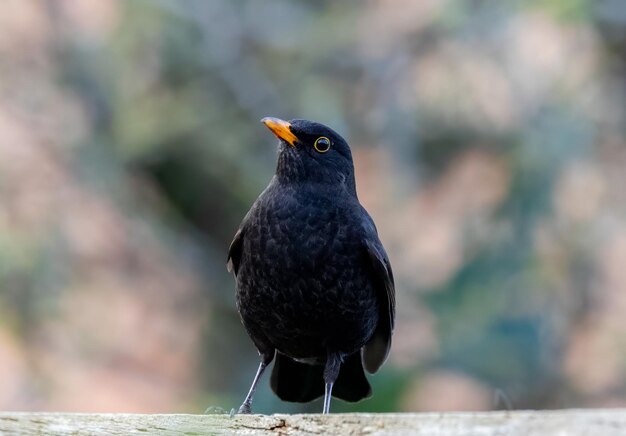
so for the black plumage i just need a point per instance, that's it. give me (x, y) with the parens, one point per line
(315, 288)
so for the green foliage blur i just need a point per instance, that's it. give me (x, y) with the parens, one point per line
(490, 144)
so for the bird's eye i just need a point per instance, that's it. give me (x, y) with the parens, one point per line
(322, 144)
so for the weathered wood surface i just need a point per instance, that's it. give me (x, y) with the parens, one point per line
(518, 423)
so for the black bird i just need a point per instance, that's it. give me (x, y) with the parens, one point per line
(314, 285)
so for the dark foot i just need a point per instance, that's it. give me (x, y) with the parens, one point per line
(245, 409)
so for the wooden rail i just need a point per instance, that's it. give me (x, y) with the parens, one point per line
(593, 422)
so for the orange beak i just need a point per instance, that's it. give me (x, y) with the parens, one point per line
(281, 129)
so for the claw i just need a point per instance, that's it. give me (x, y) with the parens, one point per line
(245, 409)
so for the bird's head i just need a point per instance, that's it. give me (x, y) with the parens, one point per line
(312, 152)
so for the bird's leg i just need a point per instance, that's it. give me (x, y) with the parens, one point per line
(246, 407)
(331, 372)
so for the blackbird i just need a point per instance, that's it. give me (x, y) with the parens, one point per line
(315, 288)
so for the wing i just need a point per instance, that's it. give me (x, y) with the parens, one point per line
(236, 247)
(234, 252)
(376, 350)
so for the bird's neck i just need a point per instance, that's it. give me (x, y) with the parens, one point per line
(291, 171)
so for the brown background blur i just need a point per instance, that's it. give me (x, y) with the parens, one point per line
(490, 145)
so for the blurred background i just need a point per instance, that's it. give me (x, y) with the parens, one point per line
(489, 141)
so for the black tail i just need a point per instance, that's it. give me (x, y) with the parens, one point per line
(301, 383)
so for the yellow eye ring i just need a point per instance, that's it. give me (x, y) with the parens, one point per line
(322, 144)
